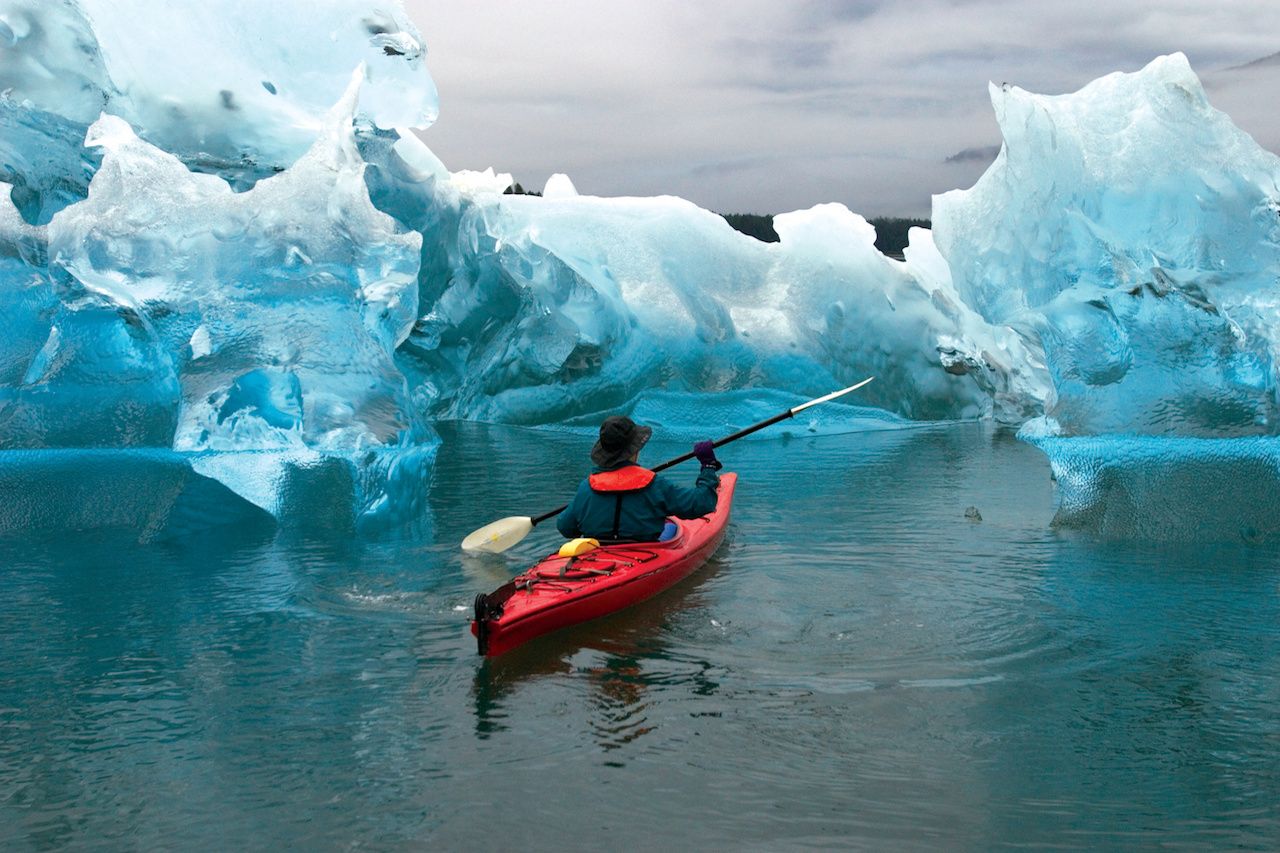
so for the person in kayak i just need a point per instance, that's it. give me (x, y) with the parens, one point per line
(620, 500)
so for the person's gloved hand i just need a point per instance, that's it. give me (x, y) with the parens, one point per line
(706, 453)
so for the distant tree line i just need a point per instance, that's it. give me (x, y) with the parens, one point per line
(891, 231)
(753, 225)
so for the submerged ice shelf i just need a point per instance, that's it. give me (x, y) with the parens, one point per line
(164, 495)
(1168, 489)
(238, 272)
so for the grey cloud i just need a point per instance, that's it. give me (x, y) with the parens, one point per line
(984, 154)
(722, 168)
(779, 60)
(756, 105)
(1265, 62)
(818, 12)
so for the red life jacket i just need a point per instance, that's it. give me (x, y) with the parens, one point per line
(632, 478)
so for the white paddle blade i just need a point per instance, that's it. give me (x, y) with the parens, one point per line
(831, 396)
(499, 536)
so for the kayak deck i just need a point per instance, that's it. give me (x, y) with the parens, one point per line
(559, 592)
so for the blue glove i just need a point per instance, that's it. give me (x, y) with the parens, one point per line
(706, 453)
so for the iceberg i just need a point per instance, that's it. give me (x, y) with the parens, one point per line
(1134, 232)
(238, 254)
(179, 314)
(191, 81)
(551, 309)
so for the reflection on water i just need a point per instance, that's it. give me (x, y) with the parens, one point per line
(860, 666)
(623, 651)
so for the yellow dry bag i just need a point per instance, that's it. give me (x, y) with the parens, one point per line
(578, 547)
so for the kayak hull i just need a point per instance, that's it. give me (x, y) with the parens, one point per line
(559, 592)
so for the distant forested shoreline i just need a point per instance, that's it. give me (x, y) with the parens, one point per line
(891, 231)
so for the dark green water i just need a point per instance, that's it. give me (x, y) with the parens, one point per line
(860, 667)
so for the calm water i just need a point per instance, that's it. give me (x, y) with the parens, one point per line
(860, 666)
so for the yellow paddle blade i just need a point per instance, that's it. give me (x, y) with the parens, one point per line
(499, 536)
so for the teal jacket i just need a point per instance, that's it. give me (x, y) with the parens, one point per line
(640, 514)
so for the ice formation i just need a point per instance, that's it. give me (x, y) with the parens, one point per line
(177, 313)
(1169, 489)
(1134, 231)
(221, 85)
(241, 258)
(552, 309)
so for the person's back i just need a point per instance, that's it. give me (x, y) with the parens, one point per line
(620, 500)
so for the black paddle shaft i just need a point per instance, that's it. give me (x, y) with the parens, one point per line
(687, 456)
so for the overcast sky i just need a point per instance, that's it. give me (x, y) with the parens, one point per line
(752, 106)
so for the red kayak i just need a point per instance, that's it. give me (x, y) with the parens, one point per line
(562, 591)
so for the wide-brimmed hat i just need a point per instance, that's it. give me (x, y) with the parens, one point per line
(620, 439)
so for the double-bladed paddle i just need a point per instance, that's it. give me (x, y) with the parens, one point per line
(500, 535)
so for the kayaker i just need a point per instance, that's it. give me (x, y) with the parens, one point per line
(621, 500)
